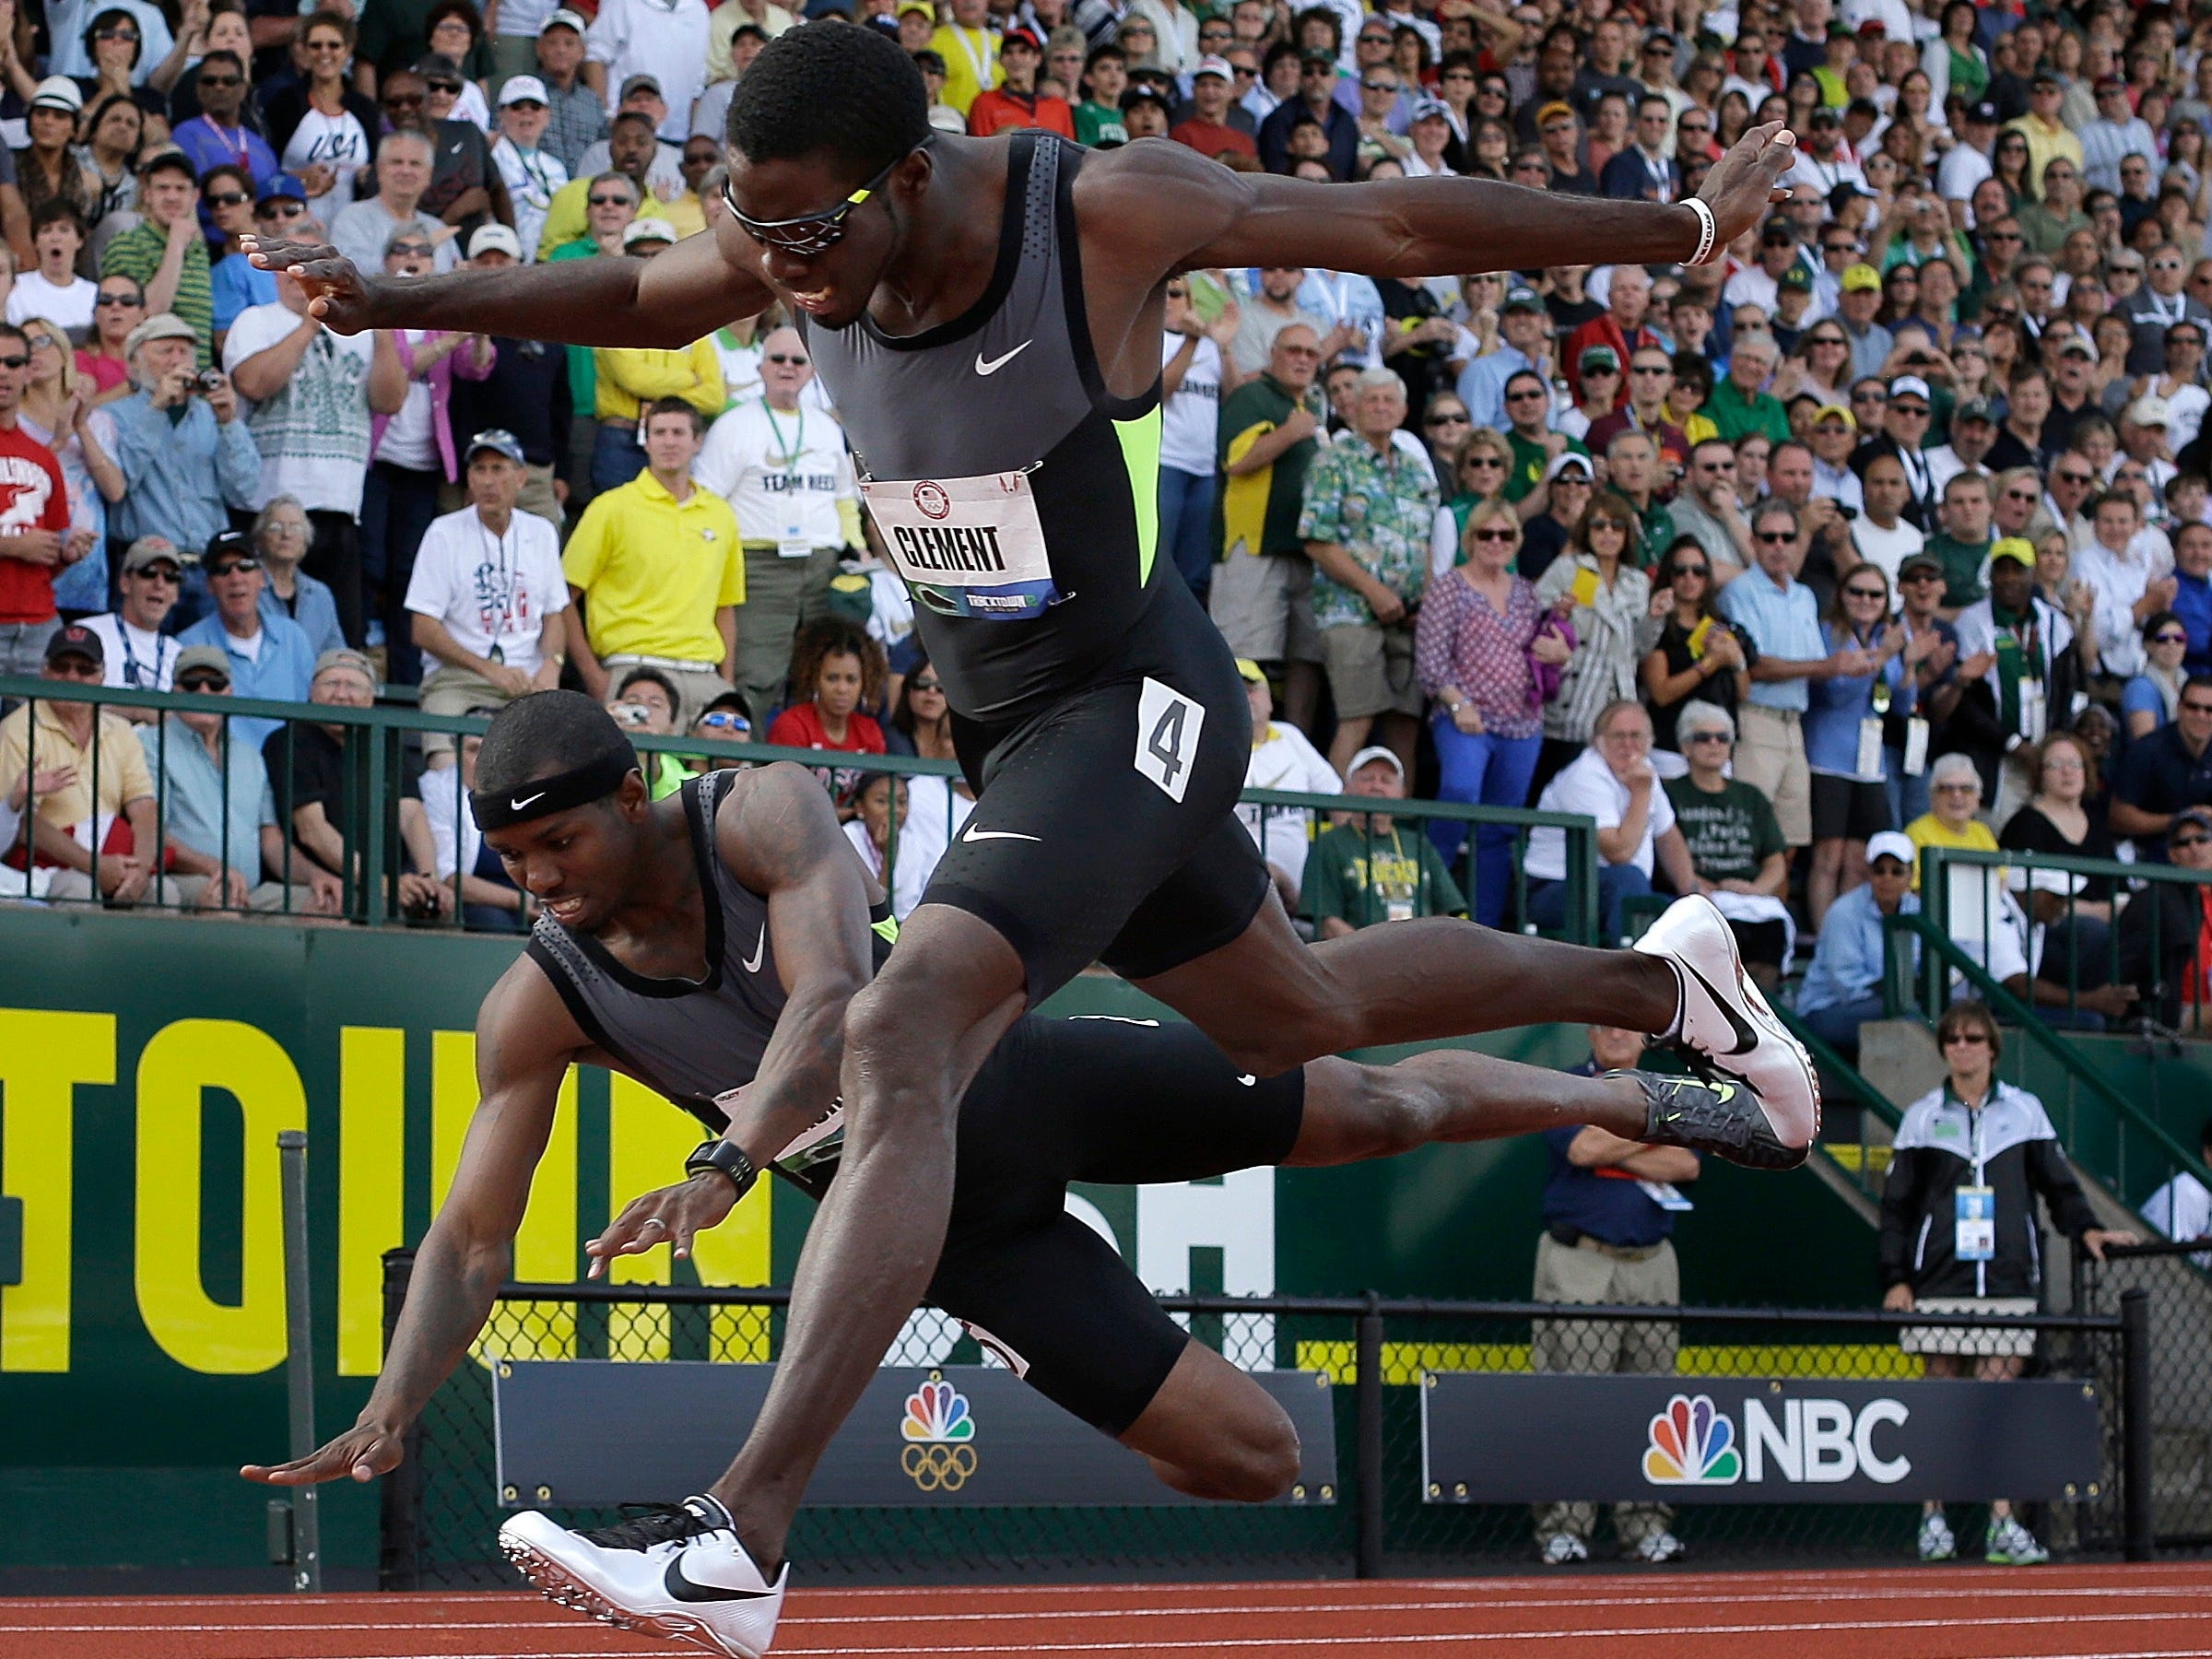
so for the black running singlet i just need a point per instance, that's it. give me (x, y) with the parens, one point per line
(1014, 494)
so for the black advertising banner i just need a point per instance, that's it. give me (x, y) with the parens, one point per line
(1521, 1439)
(595, 1432)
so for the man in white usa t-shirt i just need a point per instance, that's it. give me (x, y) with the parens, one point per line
(487, 587)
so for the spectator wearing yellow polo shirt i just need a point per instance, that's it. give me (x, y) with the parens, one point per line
(971, 52)
(657, 571)
(624, 379)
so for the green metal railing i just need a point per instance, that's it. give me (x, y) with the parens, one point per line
(1849, 1142)
(382, 877)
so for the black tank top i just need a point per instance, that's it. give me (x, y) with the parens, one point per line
(1015, 495)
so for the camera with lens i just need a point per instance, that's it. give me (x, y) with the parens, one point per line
(206, 380)
(631, 715)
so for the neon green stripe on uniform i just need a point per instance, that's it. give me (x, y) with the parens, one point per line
(887, 930)
(1140, 453)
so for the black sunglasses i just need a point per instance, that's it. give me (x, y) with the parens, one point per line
(223, 81)
(809, 233)
(204, 682)
(114, 299)
(226, 198)
(231, 566)
(792, 358)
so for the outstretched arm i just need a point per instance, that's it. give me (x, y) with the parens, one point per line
(684, 295)
(525, 1042)
(778, 834)
(1169, 205)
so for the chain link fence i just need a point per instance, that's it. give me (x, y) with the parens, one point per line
(2175, 1281)
(442, 1511)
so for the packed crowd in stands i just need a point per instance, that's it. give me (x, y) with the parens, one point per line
(1889, 528)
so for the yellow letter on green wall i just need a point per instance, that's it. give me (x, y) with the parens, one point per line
(43, 1055)
(178, 1065)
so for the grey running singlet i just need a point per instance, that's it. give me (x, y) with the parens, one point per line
(691, 1039)
(695, 1039)
(1018, 498)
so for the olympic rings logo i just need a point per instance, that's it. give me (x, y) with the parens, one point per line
(938, 1469)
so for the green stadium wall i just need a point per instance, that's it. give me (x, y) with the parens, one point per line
(148, 1063)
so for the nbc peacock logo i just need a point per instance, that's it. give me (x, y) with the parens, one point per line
(938, 1430)
(1692, 1443)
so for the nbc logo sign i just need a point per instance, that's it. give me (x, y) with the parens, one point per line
(937, 1430)
(1815, 1441)
(1692, 1444)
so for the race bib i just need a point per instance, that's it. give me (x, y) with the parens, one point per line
(967, 547)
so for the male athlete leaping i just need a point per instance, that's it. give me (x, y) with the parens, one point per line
(709, 946)
(987, 314)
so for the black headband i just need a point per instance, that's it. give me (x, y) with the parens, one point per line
(593, 781)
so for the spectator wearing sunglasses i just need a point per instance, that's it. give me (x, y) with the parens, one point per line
(1697, 655)
(218, 815)
(218, 135)
(782, 463)
(270, 657)
(2161, 932)
(135, 651)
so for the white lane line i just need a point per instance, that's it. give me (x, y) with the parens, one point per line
(2010, 1594)
(1226, 1644)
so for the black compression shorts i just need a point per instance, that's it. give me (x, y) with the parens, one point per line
(1107, 1100)
(1104, 826)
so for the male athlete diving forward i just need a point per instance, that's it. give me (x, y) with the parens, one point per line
(987, 314)
(709, 945)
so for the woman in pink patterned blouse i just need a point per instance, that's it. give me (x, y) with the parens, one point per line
(1475, 650)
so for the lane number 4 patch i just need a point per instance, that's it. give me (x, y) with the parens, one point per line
(1168, 725)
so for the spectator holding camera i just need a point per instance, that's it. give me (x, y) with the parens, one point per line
(187, 459)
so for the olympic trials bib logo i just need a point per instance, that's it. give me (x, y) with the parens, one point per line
(1692, 1443)
(937, 1429)
(931, 498)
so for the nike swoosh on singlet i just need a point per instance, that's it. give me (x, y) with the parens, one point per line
(759, 949)
(972, 834)
(517, 806)
(687, 1590)
(1746, 1038)
(993, 364)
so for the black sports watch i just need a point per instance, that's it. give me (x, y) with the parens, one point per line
(727, 1159)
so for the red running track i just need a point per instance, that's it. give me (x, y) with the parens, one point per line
(2101, 1612)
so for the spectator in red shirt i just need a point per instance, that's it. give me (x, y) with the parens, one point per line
(841, 671)
(1207, 129)
(1627, 300)
(35, 537)
(1015, 103)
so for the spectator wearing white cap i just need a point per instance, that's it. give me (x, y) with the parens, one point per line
(2146, 435)
(663, 39)
(577, 113)
(1843, 987)
(527, 393)
(1207, 129)
(485, 599)
(1370, 869)
(531, 172)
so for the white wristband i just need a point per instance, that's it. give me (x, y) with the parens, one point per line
(1707, 230)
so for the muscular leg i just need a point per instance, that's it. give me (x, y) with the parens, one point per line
(1213, 1432)
(913, 1039)
(1273, 1002)
(1355, 1112)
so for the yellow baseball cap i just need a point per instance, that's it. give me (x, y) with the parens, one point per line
(1836, 412)
(1861, 278)
(1250, 671)
(2017, 549)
